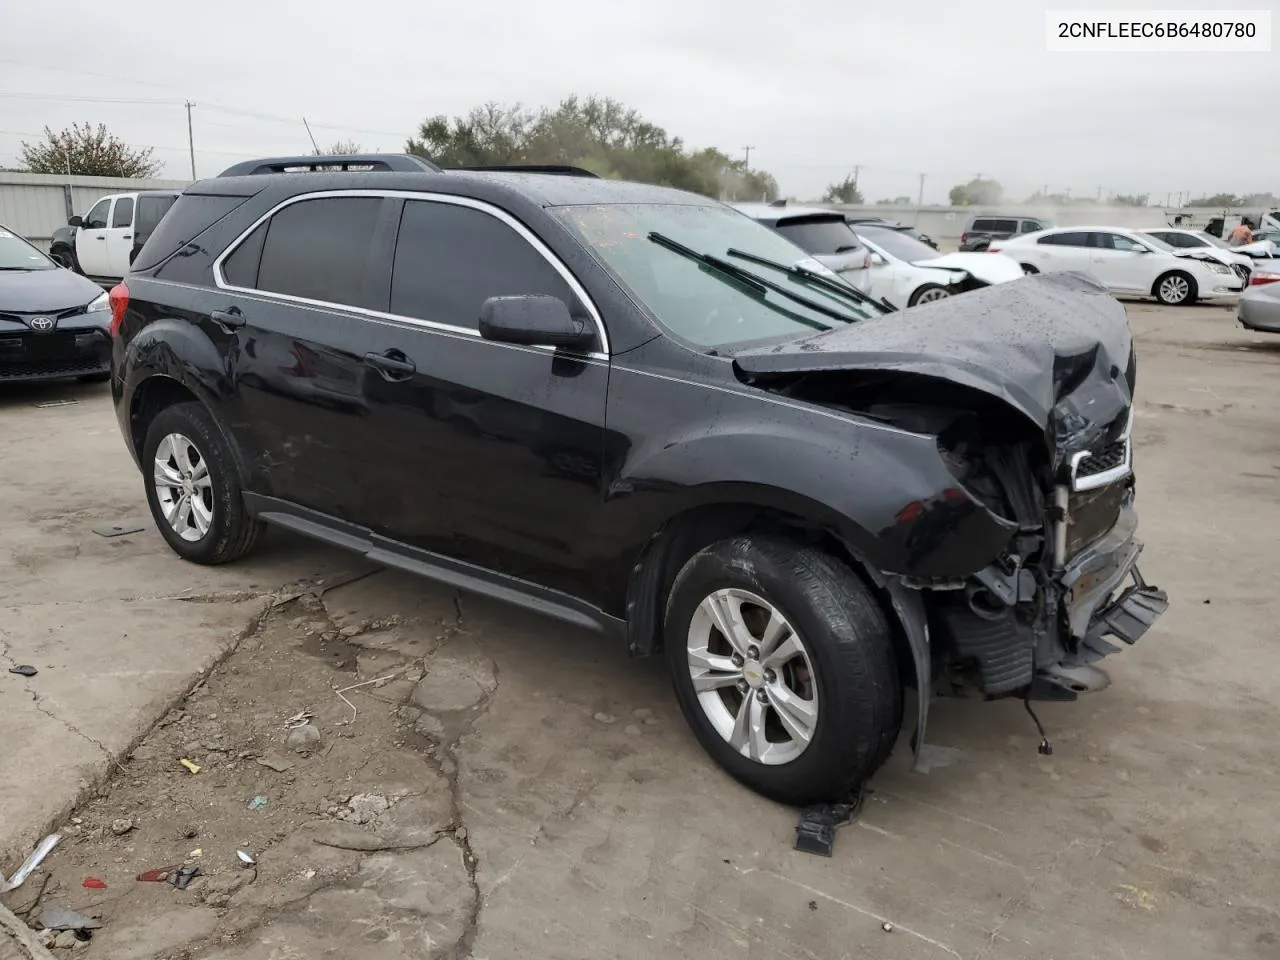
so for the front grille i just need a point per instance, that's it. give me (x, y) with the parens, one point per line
(1092, 513)
(1108, 458)
(53, 368)
(61, 353)
(1242, 271)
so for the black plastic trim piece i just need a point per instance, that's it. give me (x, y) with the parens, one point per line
(381, 162)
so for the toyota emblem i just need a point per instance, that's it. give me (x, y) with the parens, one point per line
(42, 324)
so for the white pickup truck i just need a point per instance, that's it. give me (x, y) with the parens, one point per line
(108, 237)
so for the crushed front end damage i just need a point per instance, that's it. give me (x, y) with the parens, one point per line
(1027, 388)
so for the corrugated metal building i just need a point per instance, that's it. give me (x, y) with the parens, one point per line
(36, 204)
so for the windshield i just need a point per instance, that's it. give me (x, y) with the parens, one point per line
(1210, 240)
(17, 254)
(898, 244)
(695, 301)
(821, 236)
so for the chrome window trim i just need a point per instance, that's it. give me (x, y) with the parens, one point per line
(497, 213)
(1095, 480)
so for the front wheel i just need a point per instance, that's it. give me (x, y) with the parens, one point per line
(64, 257)
(1029, 270)
(783, 664)
(1175, 289)
(928, 294)
(193, 487)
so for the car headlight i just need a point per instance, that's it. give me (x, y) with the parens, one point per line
(99, 304)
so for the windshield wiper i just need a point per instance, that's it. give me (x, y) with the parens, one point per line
(754, 282)
(837, 287)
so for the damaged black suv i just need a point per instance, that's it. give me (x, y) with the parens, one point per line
(639, 411)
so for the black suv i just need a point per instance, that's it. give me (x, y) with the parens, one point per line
(637, 411)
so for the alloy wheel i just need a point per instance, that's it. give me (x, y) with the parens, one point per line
(184, 488)
(929, 296)
(1174, 289)
(753, 676)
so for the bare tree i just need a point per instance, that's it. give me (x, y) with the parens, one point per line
(83, 150)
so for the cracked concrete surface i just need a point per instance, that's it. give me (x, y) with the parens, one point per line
(520, 825)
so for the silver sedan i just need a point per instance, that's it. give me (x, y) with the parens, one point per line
(1260, 308)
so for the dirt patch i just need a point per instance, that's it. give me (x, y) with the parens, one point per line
(324, 775)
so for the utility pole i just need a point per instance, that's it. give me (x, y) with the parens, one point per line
(856, 169)
(191, 140)
(747, 163)
(919, 200)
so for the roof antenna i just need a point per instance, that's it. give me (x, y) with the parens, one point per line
(314, 145)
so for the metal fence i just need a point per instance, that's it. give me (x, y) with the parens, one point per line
(35, 204)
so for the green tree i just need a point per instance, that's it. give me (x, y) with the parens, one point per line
(844, 191)
(83, 150)
(977, 192)
(597, 134)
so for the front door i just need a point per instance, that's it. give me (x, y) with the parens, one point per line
(484, 451)
(120, 236)
(91, 240)
(1119, 262)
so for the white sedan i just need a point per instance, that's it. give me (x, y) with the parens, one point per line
(906, 272)
(1127, 262)
(1239, 259)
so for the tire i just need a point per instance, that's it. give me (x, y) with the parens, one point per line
(1030, 269)
(64, 257)
(928, 293)
(1176, 281)
(229, 532)
(102, 377)
(846, 658)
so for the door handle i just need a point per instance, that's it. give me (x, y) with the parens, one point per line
(127, 236)
(99, 237)
(392, 362)
(228, 319)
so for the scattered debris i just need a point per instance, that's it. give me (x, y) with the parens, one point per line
(193, 767)
(276, 761)
(362, 683)
(182, 877)
(93, 883)
(299, 719)
(55, 917)
(245, 858)
(121, 827)
(118, 529)
(631, 730)
(302, 735)
(160, 874)
(258, 802)
(887, 927)
(371, 843)
(816, 831)
(813, 904)
(605, 717)
(27, 670)
(188, 833)
(37, 856)
(195, 854)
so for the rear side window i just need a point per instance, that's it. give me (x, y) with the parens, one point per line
(1031, 226)
(122, 213)
(1066, 239)
(150, 211)
(317, 249)
(450, 259)
(189, 217)
(820, 236)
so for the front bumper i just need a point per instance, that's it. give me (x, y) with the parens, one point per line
(62, 353)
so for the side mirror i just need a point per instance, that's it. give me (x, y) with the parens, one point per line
(76, 221)
(877, 260)
(533, 320)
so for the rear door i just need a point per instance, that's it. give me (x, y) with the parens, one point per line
(1068, 250)
(91, 240)
(484, 451)
(120, 235)
(295, 296)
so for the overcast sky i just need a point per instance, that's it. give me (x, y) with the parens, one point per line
(900, 87)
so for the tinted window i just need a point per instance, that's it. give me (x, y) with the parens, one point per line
(1031, 226)
(150, 210)
(820, 236)
(1066, 239)
(241, 268)
(1113, 241)
(450, 259)
(984, 225)
(96, 219)
(122, 213)
(317, 249)
(189, 217)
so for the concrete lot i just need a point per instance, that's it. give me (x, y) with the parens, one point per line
(543, 797)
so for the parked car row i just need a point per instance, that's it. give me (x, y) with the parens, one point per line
(103, 243)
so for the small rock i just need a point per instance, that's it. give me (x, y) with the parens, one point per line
(631, 730)
(329, 636)
(275, 761)
(213, 716)
(640, 713)
(887, 927)
(65, 940)
(77, 821)
(350, 631)
(650, 721)
(302, 736)
(605, 717)
(46, 937)
(80, 944)
(188, 833)
(121, 827)
(461, 833)
(217, 900)
(365, 808)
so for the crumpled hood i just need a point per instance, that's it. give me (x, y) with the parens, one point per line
(1210, 254)
(987, 267)
(1055, 347)
(1259, 248)
(33, 291)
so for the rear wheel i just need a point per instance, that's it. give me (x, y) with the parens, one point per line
(193, 487)
(784, 667)
(1030, 270)
(928, 293)
(1175, 289)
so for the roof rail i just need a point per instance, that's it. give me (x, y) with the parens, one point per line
(563, 170)
(394, 162)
